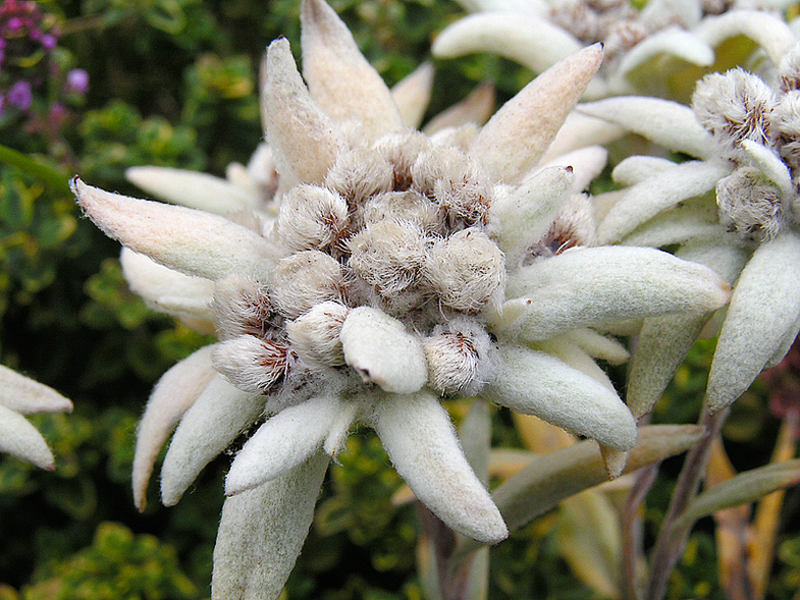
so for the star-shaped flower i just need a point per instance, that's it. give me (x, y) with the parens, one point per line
(19, 396)
(653, 50)
(400, 269)
(745, 132)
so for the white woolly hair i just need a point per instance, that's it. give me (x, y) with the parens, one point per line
(574, 225)
(388, 255)
(409, 206)
(360, 174)
(315, 335)
(734, 106)
(460, 137)
(310, 218)
(786, 116)
(749, 205)
(250, 363)
(241, 306)
(305, 279)
(460, 358)
(789, 70)
(402, 150)
(467, 270)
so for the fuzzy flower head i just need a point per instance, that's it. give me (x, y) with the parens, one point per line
(397, 270)
(647, 50)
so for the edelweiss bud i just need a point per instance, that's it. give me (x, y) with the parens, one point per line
(408, 206)
(388, 255)
(789, 70)
(250, 363)
(573, 226)
(241, 306)
(305, 279)
(458, 356)
(734, 106)
(310, 218)
(456, 183)
(360, 174)
(315, 335)
(749, 205)
(402, 150)
(467, 270)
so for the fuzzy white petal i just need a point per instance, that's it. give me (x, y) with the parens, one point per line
(172, 396)
(262, 532)
(26, 396)
(636, 169)
(518, 134)
(664, 122)
(537, 383)
(576, 357)
(475, 108)
(166, 290)
(645, 200)
(764, 307)
(217, 416)
(412, 94)
(282, 443)
(770, 164)
(340, 79)
(599, 346)
(579, 131)
(588, 286)
(184, 239)
(587, 163)
(529, 40)
(693, 220)
(664, 341)
(765, 29)
(380, 349)
(21, 439)
(672, 42)
(526, 214)
(193, 189)
(302, 137)
(419, 438)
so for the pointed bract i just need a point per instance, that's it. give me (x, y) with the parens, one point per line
(24, 395)
(21, 439)
(767, 30)
(412, 94)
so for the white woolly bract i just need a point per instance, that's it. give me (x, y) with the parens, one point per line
(645, 200)
(672, 42)
(764, 307)
(381, 351)
(24, 395)
(666, 123)
(467, 270)
(473, 110)
(598, 345)
(186, 240)
(168, 291)
(262, 531)
(539, 384)
(193, 189)
(172, 396)
(340, 79)
(767, 30)
(590, 286)
(527, 212)
(241, 306)
(412, 94)
(586, 163)
(636, 169)
(302, 137)
(458, 355)
(305, 279)
(21, 440)
(282, 443)
(530, 120)
(419, 438)
(217, 416)
(750, 205)
(310, 218)
(251, 363)
(314, 336)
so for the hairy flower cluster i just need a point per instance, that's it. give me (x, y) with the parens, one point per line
(758, 129)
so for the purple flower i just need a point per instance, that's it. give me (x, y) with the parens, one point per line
(14, 23)
(77, 81)
(20, 95)
(48, 41)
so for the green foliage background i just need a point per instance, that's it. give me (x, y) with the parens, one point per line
(174, 83)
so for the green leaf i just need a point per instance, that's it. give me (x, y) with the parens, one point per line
(46, 173)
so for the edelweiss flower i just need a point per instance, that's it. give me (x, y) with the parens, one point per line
(400, 269)
(747, 134)
(19, 396)
(647, 50)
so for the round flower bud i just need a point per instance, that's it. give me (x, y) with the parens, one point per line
(388, 255)
(360, 174)
(408, 206)
(310, 218)
(749, 205)
(467, 270)
(314, 336)
(241, 306)
(789, 70)
(305, 279)
(458, 356)
(401, 150)
(250, 363)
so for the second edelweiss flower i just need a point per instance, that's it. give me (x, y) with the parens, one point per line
(400, 269)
